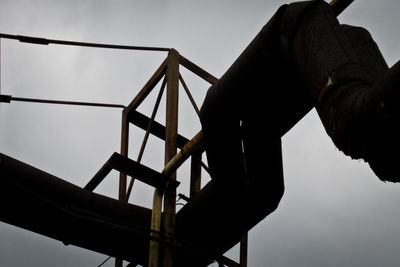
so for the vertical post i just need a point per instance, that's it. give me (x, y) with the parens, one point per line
(122, 177)
(154, 250)
(171, 138)
(124, 152)
(195, 174)
(0, 66)
(171, 134)
(243, 250)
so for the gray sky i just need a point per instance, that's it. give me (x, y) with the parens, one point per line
(335, 212)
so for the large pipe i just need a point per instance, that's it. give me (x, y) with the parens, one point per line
(198, 143)
(207, 226)
(42, 203)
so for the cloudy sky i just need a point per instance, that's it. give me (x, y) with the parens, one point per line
(335, 212)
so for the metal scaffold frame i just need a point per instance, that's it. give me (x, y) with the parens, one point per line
(165, 183)
(169, 72)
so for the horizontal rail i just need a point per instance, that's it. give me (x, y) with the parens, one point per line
(9, 98)
(44, 41)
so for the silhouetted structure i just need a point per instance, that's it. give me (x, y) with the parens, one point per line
(336, 68)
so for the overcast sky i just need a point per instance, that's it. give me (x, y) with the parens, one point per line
(335, 211)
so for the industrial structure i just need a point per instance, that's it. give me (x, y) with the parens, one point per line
(197, 235)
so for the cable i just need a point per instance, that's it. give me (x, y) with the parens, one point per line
(44, 41)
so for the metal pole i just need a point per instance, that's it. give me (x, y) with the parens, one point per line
(44, 41)
(171, 134)
(122, 176)
(243, 250)
(195, 174)
(9, 98)
(171, 140)
(124, 152)
(0, 66)
(155, 226)
(195, 145)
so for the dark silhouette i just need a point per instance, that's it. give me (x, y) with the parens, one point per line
(302, 58)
